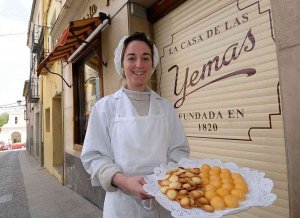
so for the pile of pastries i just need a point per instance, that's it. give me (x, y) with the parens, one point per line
(208, 187)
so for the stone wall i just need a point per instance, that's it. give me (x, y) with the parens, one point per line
(79, 181)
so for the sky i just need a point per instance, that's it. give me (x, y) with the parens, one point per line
(14, 52)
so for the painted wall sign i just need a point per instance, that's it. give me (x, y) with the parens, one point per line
(92, 11)
(219, 68)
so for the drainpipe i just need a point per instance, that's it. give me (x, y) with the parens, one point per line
(62, 123)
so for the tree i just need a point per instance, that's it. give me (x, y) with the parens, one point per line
(3, 118)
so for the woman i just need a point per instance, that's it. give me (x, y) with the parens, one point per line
(130, 133)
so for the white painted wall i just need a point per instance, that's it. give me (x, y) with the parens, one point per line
(11, 126)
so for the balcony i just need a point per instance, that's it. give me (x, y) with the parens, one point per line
(41, 52)
(34, 83)
(34, 89)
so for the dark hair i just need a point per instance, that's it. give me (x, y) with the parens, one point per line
(138, 36)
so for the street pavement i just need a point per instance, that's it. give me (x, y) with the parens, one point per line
(29, 191)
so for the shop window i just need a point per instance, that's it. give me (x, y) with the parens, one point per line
(88, 89)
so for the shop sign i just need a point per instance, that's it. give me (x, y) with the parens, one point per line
(220, 72)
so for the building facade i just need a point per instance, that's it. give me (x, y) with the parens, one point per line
(14, 131)
(32, 89)
(223, 64)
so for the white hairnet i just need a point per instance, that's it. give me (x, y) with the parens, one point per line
(118, 57)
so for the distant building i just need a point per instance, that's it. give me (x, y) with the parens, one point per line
(15, 130)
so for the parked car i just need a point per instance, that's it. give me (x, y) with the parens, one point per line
(2, 146)
(18, 145)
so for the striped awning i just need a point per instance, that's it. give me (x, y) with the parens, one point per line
(73, 36)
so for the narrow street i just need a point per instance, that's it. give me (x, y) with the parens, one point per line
(28, 190)
(13, 200)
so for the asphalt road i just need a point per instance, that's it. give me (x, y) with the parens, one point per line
(13, 200)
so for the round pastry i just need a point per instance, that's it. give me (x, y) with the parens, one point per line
(208, 208)
(171, 194)
(189, 174)
(186, 186)
(163, 189)
(194, 170)
(214, 177)
(226, 180)
(185, 202)
(210, 194)
(222, 192)
(231, 201)
(225, 171)
(183, 192)
(163, 182)
(210, 187)
(203, 200)
(239, 194)
(242, 187)
(217, 203)
(195, 194)
(173, 178)
(204, 174)
(205, 167)
(216, 169)
(227, 186)
(179, 197)
(225, 176)
(175, 185)
(197, 180)
(216, 183)
(166, 176)
(205, 181)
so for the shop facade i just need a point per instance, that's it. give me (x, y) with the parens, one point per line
(219, 68)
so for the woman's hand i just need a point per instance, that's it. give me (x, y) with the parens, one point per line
(132, 185)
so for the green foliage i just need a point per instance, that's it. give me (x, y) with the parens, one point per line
(3, 118)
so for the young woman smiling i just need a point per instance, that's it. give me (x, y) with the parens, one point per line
(130, 133)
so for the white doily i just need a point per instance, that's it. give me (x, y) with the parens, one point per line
(259, 189)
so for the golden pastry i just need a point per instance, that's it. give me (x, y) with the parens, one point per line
(231, 201)
(163, 189)
(195, 194)
(208, 208)
(217, 203)
(173, 178)
(171, 194)
(185, 202)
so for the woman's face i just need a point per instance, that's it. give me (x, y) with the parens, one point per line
(137, 65)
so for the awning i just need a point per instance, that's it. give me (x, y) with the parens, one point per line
(73, 36)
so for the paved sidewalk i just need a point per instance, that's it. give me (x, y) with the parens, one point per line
(48, 198)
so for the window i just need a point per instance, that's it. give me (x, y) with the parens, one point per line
(88, 89)
(47, 119)
(16, 120)
(52, 40)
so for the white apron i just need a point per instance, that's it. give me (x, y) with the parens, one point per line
(139, 144)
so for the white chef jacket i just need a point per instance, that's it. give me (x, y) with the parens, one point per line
(97, 154)
(119, 140)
